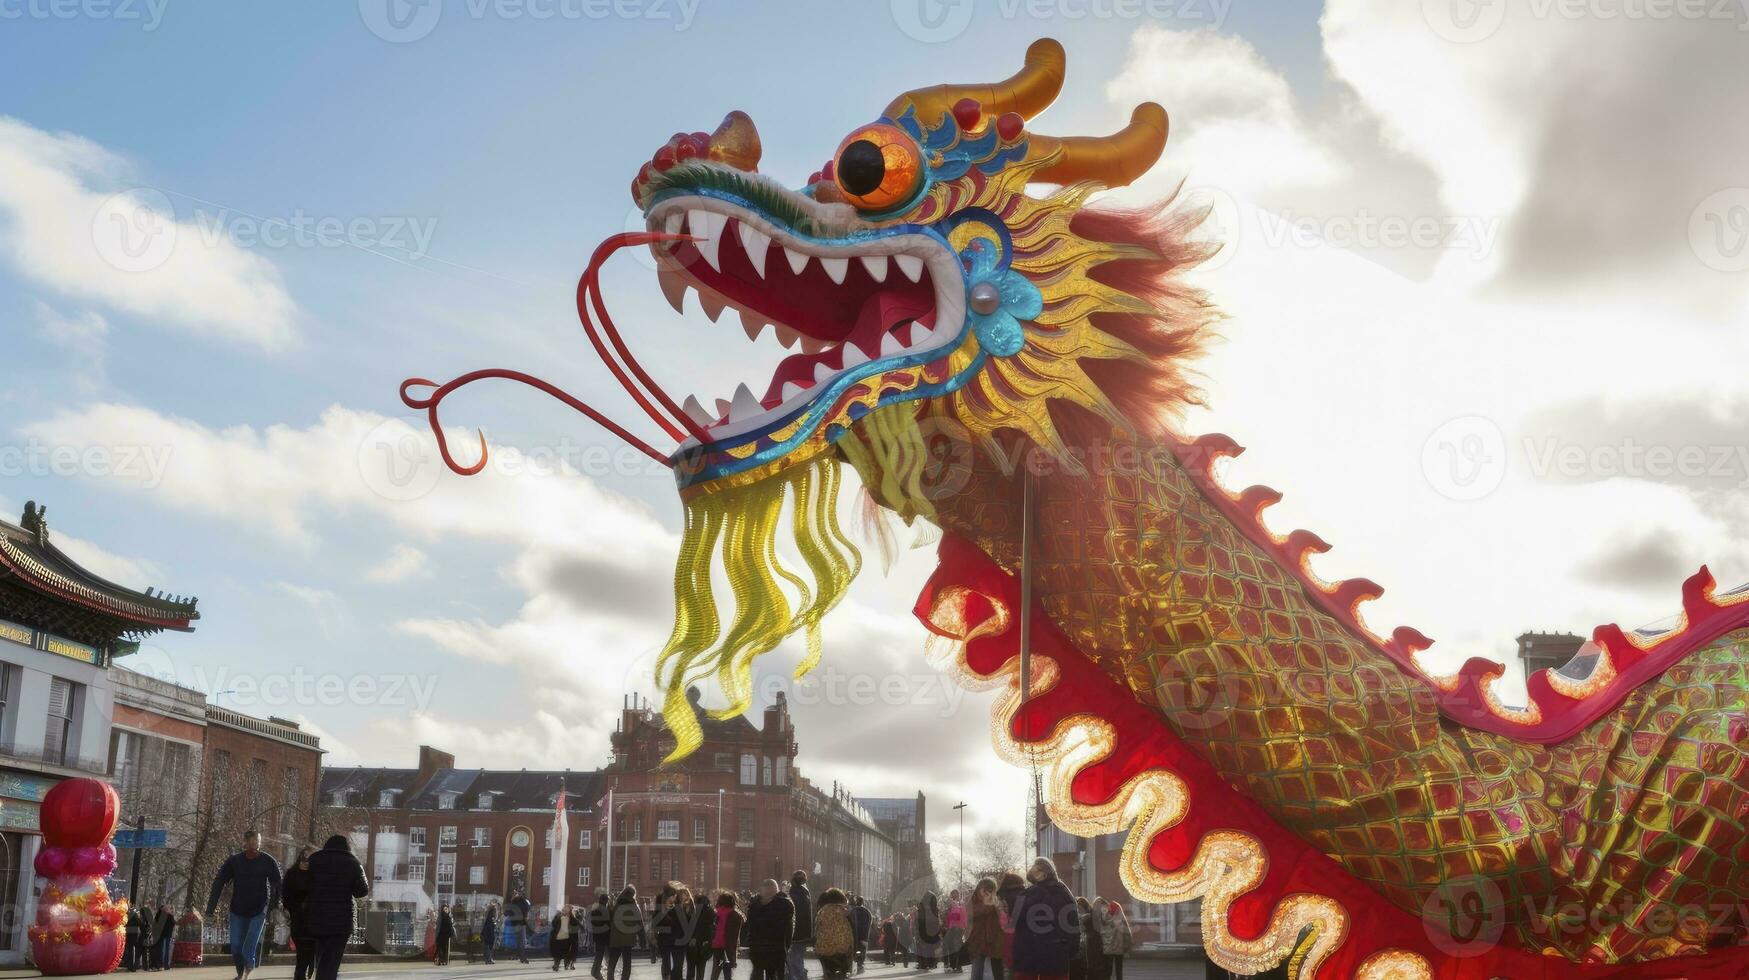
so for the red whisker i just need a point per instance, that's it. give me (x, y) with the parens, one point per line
(439, 392)
(590, 283)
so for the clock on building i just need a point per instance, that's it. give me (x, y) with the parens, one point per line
(519, 839)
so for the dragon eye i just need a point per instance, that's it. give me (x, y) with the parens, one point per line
(878, 167)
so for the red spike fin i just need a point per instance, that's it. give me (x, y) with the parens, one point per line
(1255, 499)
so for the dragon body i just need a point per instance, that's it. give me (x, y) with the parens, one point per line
(988, 360)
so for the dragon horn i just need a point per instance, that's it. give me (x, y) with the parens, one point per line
(1030, 90)
(1113, 160)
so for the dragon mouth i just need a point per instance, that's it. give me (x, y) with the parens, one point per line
(843, 304)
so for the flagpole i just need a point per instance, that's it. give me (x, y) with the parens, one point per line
(607, 872)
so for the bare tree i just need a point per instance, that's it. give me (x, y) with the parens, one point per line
(995, 852)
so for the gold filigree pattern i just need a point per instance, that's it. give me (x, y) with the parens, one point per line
(1394, 964)
(1226, 865)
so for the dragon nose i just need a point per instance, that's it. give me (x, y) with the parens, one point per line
(735, 142)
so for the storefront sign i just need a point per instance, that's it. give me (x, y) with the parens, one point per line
(49, 643)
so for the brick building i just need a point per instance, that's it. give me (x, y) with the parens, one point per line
(729, 816)
(204, 774)
(61, 630)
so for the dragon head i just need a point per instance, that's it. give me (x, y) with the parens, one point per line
(916, 281)
(918, 284)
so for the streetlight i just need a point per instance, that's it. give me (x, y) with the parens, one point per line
(961, 807)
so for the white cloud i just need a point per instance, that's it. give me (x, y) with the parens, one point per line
(1231, 112)
(134, 573)
(401, 563)
(72, 224)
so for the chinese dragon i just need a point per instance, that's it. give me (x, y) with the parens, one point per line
(1007, 366)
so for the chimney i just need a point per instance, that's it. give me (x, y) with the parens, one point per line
(431, 760)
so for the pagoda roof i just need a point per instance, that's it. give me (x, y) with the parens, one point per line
(30, 559)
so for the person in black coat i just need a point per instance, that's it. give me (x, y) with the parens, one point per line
(132, 954)
(489, 929)
(337, 882)
(862, 923)
(600, 931)
(804, 934)
(1047, 926)
(625, 932)
(163, 936)
(770, 932)
(294, 894)
(701, 923)
(445, 935)
(562, 939)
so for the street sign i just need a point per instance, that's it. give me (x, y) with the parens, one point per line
(130, 839)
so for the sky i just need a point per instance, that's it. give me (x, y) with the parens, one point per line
(1485, 271)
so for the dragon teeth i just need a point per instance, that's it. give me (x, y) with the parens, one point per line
(853, 356)
(876, 266)
(707, 227)
(890, 345)
(673, 289)
(695, 411)
(790, 390)
(910, 265)
(711, 303)
(672, 223)
(754, 242)
(821, 372)
(836, 268)
(745, 406)
(751, 324)
(797, 260)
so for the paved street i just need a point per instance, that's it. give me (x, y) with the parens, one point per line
(219, 969)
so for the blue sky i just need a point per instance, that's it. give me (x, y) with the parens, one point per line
(510, 139)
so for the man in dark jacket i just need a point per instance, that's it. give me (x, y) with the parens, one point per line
(861, 922)
(296, 897)
(489, 929)
(804, 934)
(600, 931)
(516, 915)
(625, 932)
(254, 881)
(770, 931)
(1047, 927)
(330, 913)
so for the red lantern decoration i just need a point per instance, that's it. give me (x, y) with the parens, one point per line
(79, 812)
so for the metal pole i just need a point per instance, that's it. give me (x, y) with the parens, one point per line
(1025, 587)
(722, 797)
(134, 883)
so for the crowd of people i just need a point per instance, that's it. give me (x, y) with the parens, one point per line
(1015, 928)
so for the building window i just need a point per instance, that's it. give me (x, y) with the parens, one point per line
(446, 869)
(5, 694)
(668, 827)
(724, 761)
(744, 873)
(482, 837)
(485, 801)
(637, 828)
(585, 839)
(416, 870)
(698, 828)
(546, 876)
(783, 772)
(446, 836)
(58, 736)
(416, 837)
(749, 770)
(446, 801)
(386, 798)
(744, 826)
(477, 875)
(632, 869)
(583, 877)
